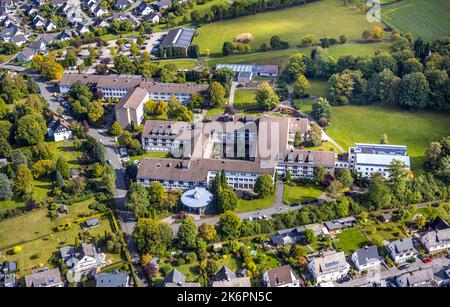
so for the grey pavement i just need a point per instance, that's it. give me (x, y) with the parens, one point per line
(438, 263)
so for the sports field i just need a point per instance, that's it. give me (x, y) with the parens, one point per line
(291, 24)
(425, 18)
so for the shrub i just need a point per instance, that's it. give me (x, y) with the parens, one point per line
(191, 257)
(244, 38)
(17, 249)
(181, 261)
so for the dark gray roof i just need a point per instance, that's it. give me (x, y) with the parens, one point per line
(180, 37)
(365, 255)
(9, 267)
(401, 246)
(112, 280)
(225, 274)
(175, 277)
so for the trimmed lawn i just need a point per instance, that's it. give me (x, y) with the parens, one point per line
(153, 154)
(318, 88)
(291, 24)
(424, 18)
(40, 190)
(69, 153)
(109, 37)
(366, 124)
(245, 99)
(215, 111)
(181, 63)
(34, 232)
(255, 204)
(350, 240)
(294, 194)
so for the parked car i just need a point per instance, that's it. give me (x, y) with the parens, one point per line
(427, 260)
(403, 267)
(109, 162)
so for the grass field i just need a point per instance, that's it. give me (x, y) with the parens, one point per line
(366, 124)
(387, 231)
(153, 154)
(294, 194)
(245, 99)
(350, 240)
(215, 111)
(34, 232)
(281, 57)
(425, 18)
(181, 63)
(291, 24)
(255, 204)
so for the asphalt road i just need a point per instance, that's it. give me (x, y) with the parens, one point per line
(437, 263)
(127, 218)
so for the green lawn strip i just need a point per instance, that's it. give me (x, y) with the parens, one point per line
(366, 124)
(109, 37)
(255, 204)
(37, 231)
(350, 240)
(180, 63)
(215, 111)
(291, 24)
(294, 194)
(152, 154)
(245, 100)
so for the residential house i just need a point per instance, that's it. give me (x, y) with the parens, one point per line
(73, 17)
(122, 4)
(50, 26)
(9, 267)
(66, 35)
(81, 259)
(30, 10)
(100, 23)
(436, 241)
(286, 236)
(7, 33)
(38, 45)
(8, 22)
(153, 17)
(19, 39)
(100, 12)
(337, 225)
(92, 223)
(283, 276)
(329, 266)
(59, 129)
(164, 4)
(114, 279)
(44, 278)
(81, 29)
(26, 55)
(227, 278)
(47, 39)
(64, 7)
(419, 278)
(38, 21)
(9, 280)
(401, 250)
(366, 258)
(143, 9)
(177, 279)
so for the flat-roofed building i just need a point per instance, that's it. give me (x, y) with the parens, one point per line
(246, 72)
(367, 159)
